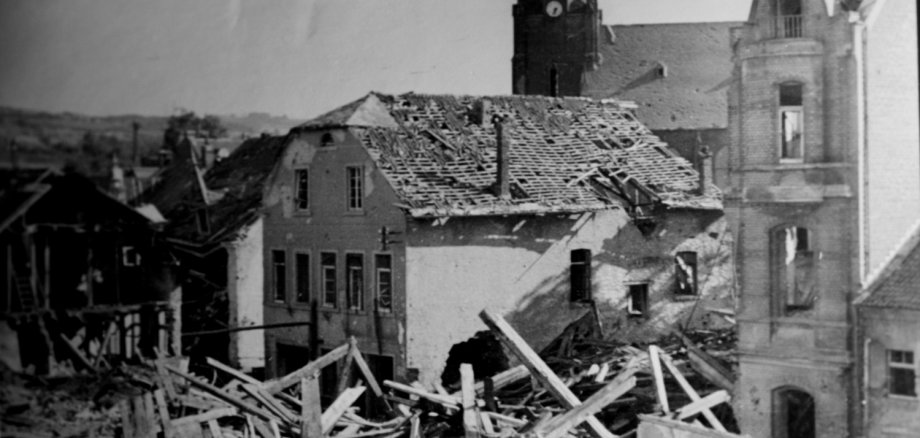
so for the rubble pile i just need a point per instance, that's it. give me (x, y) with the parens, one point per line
(582, 385)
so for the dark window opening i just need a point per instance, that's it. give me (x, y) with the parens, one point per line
(355, 187)
(795, 267)
(327, 271)
(382, 367)
(326, 140)
(902, 374)
(661, 70)
(580, 275)
(290, 358)
(793, 414)
(384, 277)
(553, 82)
(791, 122)
(354, 281)
(789, 19)
(328, 382)
(302, 183)
(685, 266)
(302, 273)
(278, 276)
(637, 300)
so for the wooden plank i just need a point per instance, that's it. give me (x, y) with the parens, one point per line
(660, 390)
(163, 409)
(81, 359)
(232, 371)
(310, 414)
(166, 379)
(213, 414)
(345, 373)
(720, 396)
(415, 427)
(507, 419)
(682, 381)
(262, 428)
(486, 423)
(274, 386)
(365, 370)
(446, 401)
(207, 387)
(267, 401)
(561, 425)
(468, 399)
(338, 407)
(215, 429)
(503, 331)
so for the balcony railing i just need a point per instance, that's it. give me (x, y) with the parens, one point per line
(789, 26)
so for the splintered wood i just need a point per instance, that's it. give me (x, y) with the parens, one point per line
(601, 394)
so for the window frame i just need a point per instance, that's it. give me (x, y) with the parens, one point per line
(297, 277)
(631, 311)
(130, 256)
(694, 289)
(350, 190)
(349, 304)
(905, 366)
(300, 190)
(782, 110)
(377, 271)
(779, 272)
(276, 279)
(324, 279)
(580, 275)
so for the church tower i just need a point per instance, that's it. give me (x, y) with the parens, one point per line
(810, 167)
(555, 43)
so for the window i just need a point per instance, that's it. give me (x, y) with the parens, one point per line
(326, 140)
(302, 185)
(355, 187)
(791, 122)
(553, 82)
(279, 288)
(302, 277)
(580, 275)
(637, 301)
(685, 267)
(354, 281)
(902, 374)
(793, 413)
(788, 18)
(794, 268)
(327, 271)
(130, 256)
(383, 266)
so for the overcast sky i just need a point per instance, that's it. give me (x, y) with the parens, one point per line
(285, 57)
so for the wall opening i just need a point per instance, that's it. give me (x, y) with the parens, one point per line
(637, 300)
(794, 268)
(902, 375)
(788, 19)
(686, 272)
(793, 413)
(483, 351)
(554, 81)
(580, 275)
(792, 121)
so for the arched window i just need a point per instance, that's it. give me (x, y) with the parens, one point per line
(794, 269)
(793, 413)
(326, 140)
(791, 122)
(788, 18)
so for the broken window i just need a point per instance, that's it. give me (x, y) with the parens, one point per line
(791, 122)
(795, 268)
(685, 265)
(354, 281)
(302, 277)
(793, 414)
(302, 184)
(130, 256)
(637, 300)
(355, 187)
(383, 266)
(902, 374)
(580, 275)
(278, 275)
(327, 268)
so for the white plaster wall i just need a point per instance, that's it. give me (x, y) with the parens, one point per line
(244, 289)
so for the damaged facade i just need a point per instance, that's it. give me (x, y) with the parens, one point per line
(398, 217)
(84, 276)
(824, 178)
(215, 229)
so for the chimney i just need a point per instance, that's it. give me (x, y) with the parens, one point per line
(482, 113)
(503, 147)
(704, 168)
(135, 146)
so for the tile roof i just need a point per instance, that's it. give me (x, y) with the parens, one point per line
(566, 154)
(897, 283)
(236, 187)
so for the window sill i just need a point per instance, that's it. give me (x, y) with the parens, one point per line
(307, 212)
(785, 161)
(685, 297)
(279, 304)
(905, 399)
(354, 212)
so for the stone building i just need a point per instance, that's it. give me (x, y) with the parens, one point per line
(396, 219)
(824, 178)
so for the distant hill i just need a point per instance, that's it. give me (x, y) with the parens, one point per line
(58, 138)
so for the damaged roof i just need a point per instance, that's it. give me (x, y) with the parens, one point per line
(895, 285)
(234, 188)
(439, 154)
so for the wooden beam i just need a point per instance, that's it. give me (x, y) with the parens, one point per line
(660, 390)
(215, 429)
(468, 399)
(274, 386)
(501, 380)
(446, 401)
(685, 385)
(267, 401)
(215, 391)
(720, 396)
(213, 414)
(310, 412)
(503, 331)
(77, 353)
(168, 430)
(365, 370)
(232, 371)
(345, 374)
(561, 425)
(338, 407)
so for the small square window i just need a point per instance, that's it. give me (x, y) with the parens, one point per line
(302, 184)
(130, 256)
(637, 301)
(902, 373)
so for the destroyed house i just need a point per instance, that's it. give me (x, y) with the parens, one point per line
(394, 219)
(888, 318)
(83, 274)
(215, 229)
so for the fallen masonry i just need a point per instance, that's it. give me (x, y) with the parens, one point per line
(580, 385)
